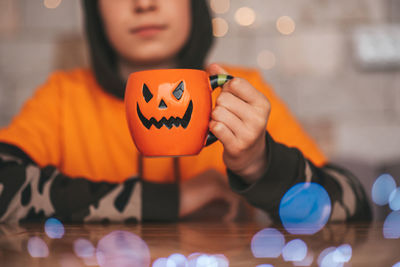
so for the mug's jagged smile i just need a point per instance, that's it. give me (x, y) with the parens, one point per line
(169, 123)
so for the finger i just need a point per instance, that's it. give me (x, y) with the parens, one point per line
(221, 114)
(237, 106)
(222, 132)
(244, 90)
(214, 69)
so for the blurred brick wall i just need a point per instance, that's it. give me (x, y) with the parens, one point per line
(34, 41)
(351, 113)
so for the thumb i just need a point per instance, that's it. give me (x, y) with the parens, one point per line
(214, 69)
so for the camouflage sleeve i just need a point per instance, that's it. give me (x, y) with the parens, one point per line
(30, 193)
(287, 167)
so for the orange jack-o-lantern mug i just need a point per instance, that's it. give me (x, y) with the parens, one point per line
(168, 110)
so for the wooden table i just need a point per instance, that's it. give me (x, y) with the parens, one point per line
(369, 248)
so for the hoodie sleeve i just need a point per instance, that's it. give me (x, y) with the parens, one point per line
(288, 167)
(31, 193)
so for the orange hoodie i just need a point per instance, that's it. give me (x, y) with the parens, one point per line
(71, 123)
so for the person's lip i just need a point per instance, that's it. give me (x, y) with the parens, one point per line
(148, 30)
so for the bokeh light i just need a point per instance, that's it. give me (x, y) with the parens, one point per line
(122, 248)
(222, 260)
(396, 264)
(177, 260)
(342, 253)
(206, 260)
(382, 188)
(324, 253)
(267, 243)
(305, 208)
(265, 265)
(51, 3)
(285, 25)
(335, 257)
(83, 248)
(266, 60)
(220, 27)
(394, 199)
(54, 228)
(161, 262)
(245, 16)
(329, 261)
(326, 258)
(192, 259)
(193, 255)
(220, 6)
(295, 250)
(391, 226)
(37, 248)
(307, 261)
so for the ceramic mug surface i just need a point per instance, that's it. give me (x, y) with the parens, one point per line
(168, 110)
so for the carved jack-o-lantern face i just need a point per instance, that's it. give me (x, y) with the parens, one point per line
(173, 104)
(168, 111)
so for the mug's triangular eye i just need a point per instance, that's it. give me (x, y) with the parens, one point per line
(146, 93)
(178, 92)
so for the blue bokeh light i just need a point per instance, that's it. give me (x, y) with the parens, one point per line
(327, 259)
(160, 262)
(391, 226)
(83, 248)
(307, 261)
(295, 250)
(265, 265)
(342, 253)
(394, 199)
(222, 260)
(305, 208)
(192, 259)
(324, 253)
(37, 248)
(382, 188)
(267, 243)
(396, 264)
(122, 248)
(205, 260)
(193, 255)
(54, 228)
(177, 260)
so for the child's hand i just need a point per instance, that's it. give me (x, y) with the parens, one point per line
(206, 187)
(239, 121)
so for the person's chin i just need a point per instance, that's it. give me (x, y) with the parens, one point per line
(150, 58)
(149, 61)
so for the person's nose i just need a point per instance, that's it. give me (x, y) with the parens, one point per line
(145, 5)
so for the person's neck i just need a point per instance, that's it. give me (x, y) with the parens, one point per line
(126, 67)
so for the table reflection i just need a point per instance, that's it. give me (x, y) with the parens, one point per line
(196, 244)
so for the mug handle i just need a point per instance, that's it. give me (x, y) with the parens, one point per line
(216, 81)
